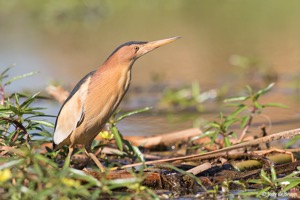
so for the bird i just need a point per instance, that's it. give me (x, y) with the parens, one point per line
(96, 97)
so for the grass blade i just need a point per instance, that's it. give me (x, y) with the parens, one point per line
(11, 164)
(19, 77)
(118, 137)
(132, 113)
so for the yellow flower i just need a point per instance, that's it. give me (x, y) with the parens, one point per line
(106, 135)
(5, 175)
(70, 182)
(136, 187)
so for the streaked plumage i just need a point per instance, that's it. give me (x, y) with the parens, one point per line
(96, 97)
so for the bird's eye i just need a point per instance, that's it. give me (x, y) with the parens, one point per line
(136, 48)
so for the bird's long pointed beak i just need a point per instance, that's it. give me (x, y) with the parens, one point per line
(146, 48)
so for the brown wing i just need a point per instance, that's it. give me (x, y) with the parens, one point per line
(72, 112)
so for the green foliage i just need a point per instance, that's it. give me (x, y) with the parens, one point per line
(122, 144)
(30, 175)
(245, 108)
(253, 97)
(290, 181)
(4, 75)
(19, 120)
(292, 141)
(267, 181)
(273, 186)
(187, 97)
(26, 173)
(38, 177)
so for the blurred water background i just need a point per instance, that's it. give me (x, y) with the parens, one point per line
(64, 40)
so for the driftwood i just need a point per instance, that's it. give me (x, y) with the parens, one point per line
(165, 139)
(277, 136)
(58, 93)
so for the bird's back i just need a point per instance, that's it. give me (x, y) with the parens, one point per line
(71, 113)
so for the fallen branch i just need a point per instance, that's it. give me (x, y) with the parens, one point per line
(164, 139)
(277, 136)
(200, 168)
(58, 93)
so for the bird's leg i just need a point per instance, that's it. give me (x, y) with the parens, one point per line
(68, 159)
(95, 159)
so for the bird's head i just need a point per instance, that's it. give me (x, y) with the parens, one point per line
(130, 51)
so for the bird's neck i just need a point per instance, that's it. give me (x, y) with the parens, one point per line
(115, 76)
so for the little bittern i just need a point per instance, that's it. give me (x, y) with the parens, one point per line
(95, 98)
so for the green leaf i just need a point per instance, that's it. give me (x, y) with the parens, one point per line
(80, 174)
(259, 193)
(205, 134)
(14, 109)
(17, 97)
(5, 71)
(35, 108)
(195, 90)
(291, 185)
(242, 98)
(232, 104)
(38, 114)
(19, 77)
(26, 103)
(241, 108)
(132, 113)
(265, 90)
(244, 121)
(257, 105)
(265, 177)
(37, 169)
(287, 179)
(279, 105)
(273, 174)
(227, 142)
(228, 122)
(45, 160)
(214, 137)
(291, 141)
(118, 137)
(221, 115)
(45, 123)
(138, 153)
(256, 181)
(249, 90)
(11, 164)
(215, 125)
